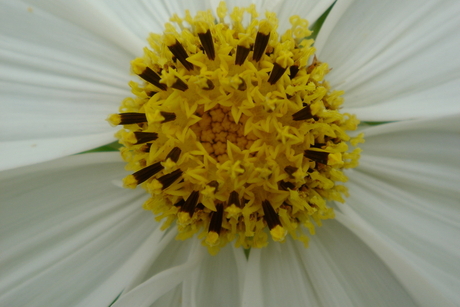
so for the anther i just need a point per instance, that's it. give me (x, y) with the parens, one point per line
(276, 74)
(317, 156)
(144, 174)
(168, 116)
(179, 52)
(293, 70)
(290, 170)
(233, 199)
(270, 215)
(150, 76)
(168, 179)
(127, 118)
(209, 85)
(303, 114)
(285, 185)
(146, 147)
(273, 222)
(180, 203)
(241, 54)
(208, 44)
(180, 85)
(261, 40)
(144, 137)
(190, 203)
(214, 184)
(174, 154)
(216, 219)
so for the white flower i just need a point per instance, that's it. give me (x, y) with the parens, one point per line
(70, 237)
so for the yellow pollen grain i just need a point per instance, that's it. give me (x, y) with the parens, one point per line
(226, 135)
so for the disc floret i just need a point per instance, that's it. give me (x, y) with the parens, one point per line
(233, 132)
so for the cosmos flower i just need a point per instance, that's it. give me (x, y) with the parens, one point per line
(71, 236)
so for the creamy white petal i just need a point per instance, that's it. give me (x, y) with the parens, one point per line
(64, 68)
(215, 282)
(66, 230)
(161, 283)
(337, 269)
(406, 188)
(395, 60)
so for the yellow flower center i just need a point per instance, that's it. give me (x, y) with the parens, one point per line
(233, 131)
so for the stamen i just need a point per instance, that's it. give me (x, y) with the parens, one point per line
(261, 40)
(290, 170)
(174, 154)
(293, 70)
(303, 114)
(215, 225)
(273, 222)
(167, 180)
(180, 85)
(324, 157)
(152, 77)
(127, 118)
(208, 44)
(144, 137)
(241, 54)
(142, 175)
(179, 52)
(285, 185)
(168, 116)
(233, 199)
(276, 74)
(190, 203)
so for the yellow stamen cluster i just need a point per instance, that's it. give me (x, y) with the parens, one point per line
(234, 133)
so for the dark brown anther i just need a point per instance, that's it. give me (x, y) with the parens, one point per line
(260, 45)
(200, 206)
(285, 185)
(290, 170)
(241, 55)
(169, 116)
(216, 219)
(179, 52)
(317, 156)
(303, 114)
(208, 44)
(174, 154)
(180, 85)
(209, 84)
(242, 86)
(152, 77)
(146, 147)
(144, 137)
(180, 203)
(214, 184)
(270, 215)
(293, 70)
(233, 199)
(150, 94)
(132, 118)
(190, 203)
(147, 172)
(276, 74)
(168, 179)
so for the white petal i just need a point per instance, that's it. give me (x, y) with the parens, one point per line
(66, 229)
(161, 283)
(216, 281)
(395, 60)
(65, 67)
(407, 188)
(361, 277)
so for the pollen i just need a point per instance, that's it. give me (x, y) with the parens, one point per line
(233, 131)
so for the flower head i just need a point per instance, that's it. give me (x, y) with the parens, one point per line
(234, 129)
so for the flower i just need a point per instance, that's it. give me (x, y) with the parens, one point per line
(392, 243)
